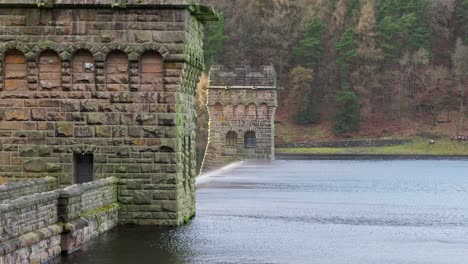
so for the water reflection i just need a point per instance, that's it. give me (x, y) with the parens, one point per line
(310, 212)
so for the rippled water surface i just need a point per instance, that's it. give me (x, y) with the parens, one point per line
(296, 212)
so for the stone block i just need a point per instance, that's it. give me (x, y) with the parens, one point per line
(16, 115)
(64, 130)
(83, 132)
(35, 165)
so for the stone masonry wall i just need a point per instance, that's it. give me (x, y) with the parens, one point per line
(11, 191)
(117, 83)
(36, 228)
(28, 229)
(87, 210)
(237, 106)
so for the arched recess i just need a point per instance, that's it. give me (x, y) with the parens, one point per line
(231, 139)
(240, 110)
(117, 71)
(250, 139)
(218, 109)
(252, 110)
(263, 110)
(228, 110)
(151, 72)
(50, 70)
(15, 71)
(83, 73)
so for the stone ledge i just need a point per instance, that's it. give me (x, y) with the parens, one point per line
(29, 239)
(29, 200)
(26, 184)
(79, 189)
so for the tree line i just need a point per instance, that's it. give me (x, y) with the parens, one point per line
(352, 60)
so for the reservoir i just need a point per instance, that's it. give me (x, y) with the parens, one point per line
(327, 211)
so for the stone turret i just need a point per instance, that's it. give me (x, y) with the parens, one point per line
(241, 104)
(93, 89)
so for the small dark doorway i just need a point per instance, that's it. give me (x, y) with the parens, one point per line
(83, 168)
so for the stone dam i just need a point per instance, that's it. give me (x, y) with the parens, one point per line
(97, 119)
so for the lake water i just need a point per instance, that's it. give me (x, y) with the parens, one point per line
(296, 212)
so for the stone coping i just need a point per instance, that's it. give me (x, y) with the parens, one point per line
(79, 189)
(29, 239)
(203, 13)
(25, 184)
(28, 200)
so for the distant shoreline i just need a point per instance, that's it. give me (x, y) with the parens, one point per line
(304, 156)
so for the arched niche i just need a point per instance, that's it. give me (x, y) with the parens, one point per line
(15, 71)
(263, 111)
(117, 71)
(252, 110)
(228, 110)
(83, 71)
(240, 110)
(151, 72)
(50, 70)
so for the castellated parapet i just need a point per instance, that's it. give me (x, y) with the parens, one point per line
(241, 104)
(97, 89)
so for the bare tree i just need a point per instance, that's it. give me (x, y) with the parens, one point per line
(460, 63)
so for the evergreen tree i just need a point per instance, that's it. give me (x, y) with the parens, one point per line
(310, 47)
(461, 19)
(404, 25)
(347, 115)
(214, 42)
(347, 50)
(303, 96)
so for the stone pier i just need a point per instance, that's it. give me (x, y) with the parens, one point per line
(97, 89)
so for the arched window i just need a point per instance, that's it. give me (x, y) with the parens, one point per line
(263, 110)
(50, 70)
(151, 72)
(83, 71)
(231, 139)
(15, 71)
(252, 111)
(117, 71)
(250, 140)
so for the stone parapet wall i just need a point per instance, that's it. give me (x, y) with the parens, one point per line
(27, 214)
(80, 199)
(11, 191)
(346, 143)
(36, 228)
(87, 210)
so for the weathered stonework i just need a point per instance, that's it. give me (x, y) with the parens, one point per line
(36, 228)
(241, 104)
(110, 79)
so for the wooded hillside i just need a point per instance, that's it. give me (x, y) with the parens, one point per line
(353, 67)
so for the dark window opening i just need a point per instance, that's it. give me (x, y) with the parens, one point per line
(84, 168)
(250, 140)
(231, 139)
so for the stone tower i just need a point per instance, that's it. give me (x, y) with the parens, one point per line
(93, 89)
(241, 105)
